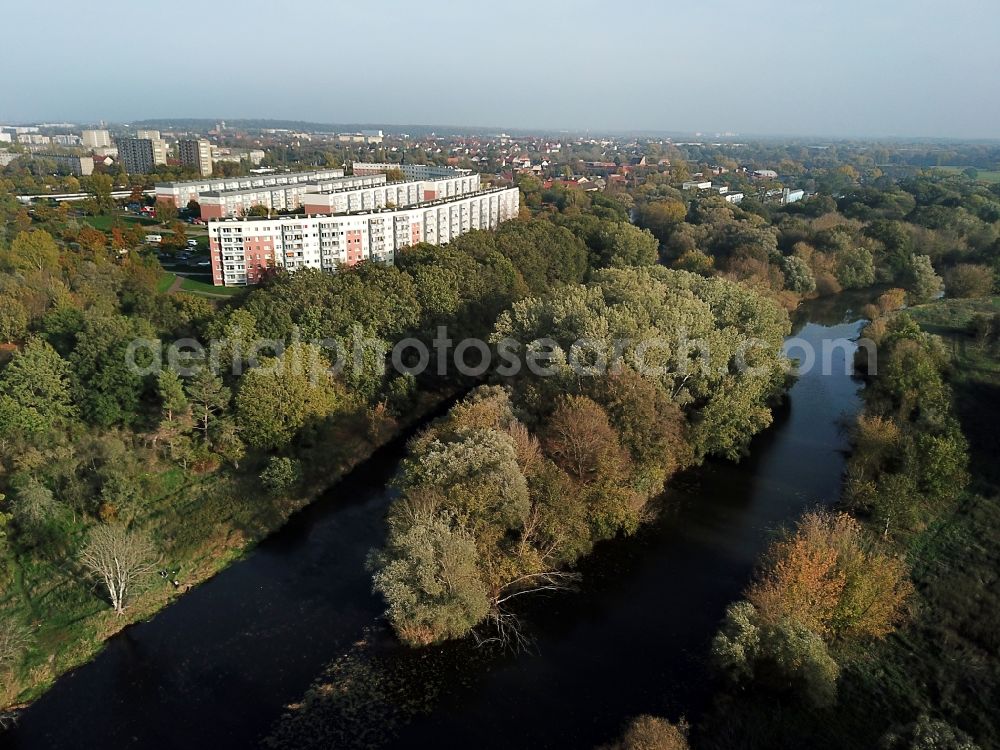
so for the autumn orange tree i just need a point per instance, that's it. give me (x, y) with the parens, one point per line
(829, 576)
(825, 583)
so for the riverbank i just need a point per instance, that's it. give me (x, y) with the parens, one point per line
(203, 523)
(942, 667)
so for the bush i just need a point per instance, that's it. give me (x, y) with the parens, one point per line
(799, 277)
(969, 280)
(653, 733)
(778, 656)
(855, 268)
(923, 283)
(928, 734)
(983, 327)
(429, 576)
(825, 581)
(281, 474)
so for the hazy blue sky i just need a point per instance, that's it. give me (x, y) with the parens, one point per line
(830, 67)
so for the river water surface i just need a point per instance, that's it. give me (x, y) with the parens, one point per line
(216, 668)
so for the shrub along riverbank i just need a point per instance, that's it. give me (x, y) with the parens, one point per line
(927, 676)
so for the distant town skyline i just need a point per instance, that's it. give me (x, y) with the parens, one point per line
(851, 69)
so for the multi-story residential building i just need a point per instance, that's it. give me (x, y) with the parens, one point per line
(235, 155)
(219, 204)
(182, 192)
(339, 195)
(96, 138)
(65, 164)
(136, 154)
(410, 171)
(160, 150)
(362, 136)
(388, 195)
(243, 250)
(197, 154)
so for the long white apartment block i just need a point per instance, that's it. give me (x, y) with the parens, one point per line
(245, 250)
(409, 171)
(222, 204)
(182, 192)
(393, 194)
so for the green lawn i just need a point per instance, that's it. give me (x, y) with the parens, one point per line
(986, 175)
(195, 286)
(201, 287)
(950, 317)
(165, 282)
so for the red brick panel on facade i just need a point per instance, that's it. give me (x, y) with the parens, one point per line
(212, 211)
(217, 277)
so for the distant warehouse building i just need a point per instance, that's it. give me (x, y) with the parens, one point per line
(243, 250)
(182, 192)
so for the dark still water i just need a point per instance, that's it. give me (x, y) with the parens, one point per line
(217, 667)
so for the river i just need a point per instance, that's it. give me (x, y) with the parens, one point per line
(217, 667)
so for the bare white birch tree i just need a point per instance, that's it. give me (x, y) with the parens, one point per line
(13, 642)
(120, 559)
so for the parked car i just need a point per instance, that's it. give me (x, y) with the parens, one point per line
(192, 243)
(154, 239)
